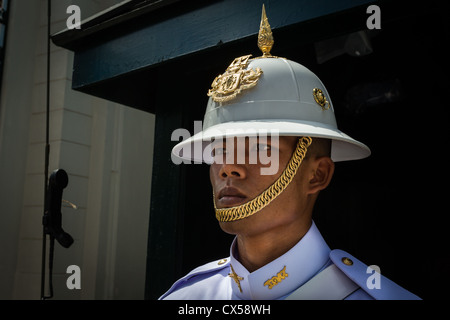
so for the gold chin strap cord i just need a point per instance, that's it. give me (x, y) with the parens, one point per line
(253, 206)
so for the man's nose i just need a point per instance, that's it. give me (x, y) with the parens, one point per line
(231, 170)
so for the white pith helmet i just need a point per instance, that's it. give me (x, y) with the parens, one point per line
(269, 94)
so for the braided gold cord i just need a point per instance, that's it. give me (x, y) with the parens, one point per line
(251, 207)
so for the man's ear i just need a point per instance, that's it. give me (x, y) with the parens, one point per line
(323, 169)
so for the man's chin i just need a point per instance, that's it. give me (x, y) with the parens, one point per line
(232, 227)
(241, 226)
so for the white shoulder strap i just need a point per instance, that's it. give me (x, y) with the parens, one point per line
(330, 284)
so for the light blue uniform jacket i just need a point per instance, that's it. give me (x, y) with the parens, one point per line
(310, 270)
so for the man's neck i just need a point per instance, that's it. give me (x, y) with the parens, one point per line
(255, 251)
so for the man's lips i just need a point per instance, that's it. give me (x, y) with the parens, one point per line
(230, 197)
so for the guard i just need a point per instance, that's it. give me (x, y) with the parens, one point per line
(271, 108)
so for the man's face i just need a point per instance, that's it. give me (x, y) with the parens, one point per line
(235, 183)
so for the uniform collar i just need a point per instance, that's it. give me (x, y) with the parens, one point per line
(283, 275)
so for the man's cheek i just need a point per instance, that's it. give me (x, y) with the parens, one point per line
(213, 171)
(272, 158)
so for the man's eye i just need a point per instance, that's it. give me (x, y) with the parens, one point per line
(262, 147)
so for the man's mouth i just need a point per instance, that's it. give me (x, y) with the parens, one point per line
(230, 197)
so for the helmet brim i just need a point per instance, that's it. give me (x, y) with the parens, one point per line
(343, 147)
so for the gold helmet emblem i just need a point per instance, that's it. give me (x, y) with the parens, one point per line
(320, 98)
(236, 78)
